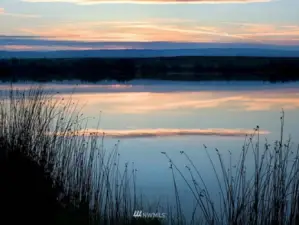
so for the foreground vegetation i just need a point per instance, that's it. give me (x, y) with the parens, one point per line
(194, 68)
(264, 191)
(52, 174)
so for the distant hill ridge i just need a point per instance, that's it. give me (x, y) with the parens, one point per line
(136, 53)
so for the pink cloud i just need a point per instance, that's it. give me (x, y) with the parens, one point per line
(150, 30)
(266, 32)
(167, 30)
(51, 48)
(129, 32)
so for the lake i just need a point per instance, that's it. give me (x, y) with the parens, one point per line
(150, 117)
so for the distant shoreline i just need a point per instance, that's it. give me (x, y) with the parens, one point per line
(192, 68)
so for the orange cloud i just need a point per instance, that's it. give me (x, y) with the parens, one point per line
(266, 32)
(151, 30)
(91, 2)
(139, 133)
(253, 28)
(51, 48)
(16, 47)
(172, 30)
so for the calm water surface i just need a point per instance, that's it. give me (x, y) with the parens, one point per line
(143, 106)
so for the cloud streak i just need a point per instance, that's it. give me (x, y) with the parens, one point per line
(152, 30)
(4, 13)
(58, 47)
(92, 2)
(248, 30)
(148, 34)
(166, 30)
(143, 133)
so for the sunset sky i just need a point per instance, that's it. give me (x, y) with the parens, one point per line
(69, 24)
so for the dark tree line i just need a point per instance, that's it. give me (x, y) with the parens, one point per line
(168, 68)
(66, 69)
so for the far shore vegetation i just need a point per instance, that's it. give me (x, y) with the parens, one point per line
(193, 68)
(52, 175)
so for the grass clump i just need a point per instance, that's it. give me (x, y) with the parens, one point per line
(53, 173)
(261, 189)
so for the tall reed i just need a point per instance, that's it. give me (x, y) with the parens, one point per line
(53, 173)
(265, 194)
(79, 181)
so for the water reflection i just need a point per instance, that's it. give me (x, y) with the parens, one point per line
(144, 99)
(145, 133)
(147, 102)
(150, 111)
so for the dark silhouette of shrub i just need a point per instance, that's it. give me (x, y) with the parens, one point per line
(27, 191)
(51, 174)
